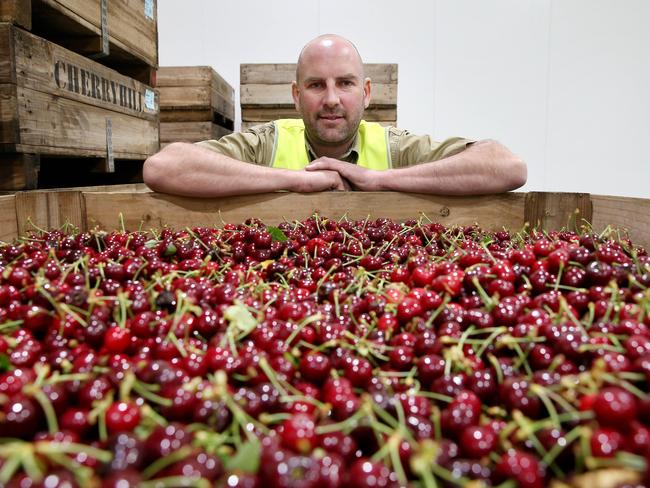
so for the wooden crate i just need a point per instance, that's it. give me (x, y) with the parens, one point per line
(139, 208)
(122, 34)
(58, 103)
(265, 93)
(195, 104)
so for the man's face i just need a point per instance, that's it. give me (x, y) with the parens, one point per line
(331, 94)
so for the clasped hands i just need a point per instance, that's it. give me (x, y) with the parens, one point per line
(341, 176)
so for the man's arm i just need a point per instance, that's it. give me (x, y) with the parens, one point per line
(190, 170)
(484, 167)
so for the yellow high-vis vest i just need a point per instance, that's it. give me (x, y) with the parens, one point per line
(290, 151)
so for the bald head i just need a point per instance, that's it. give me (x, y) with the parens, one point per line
(329, 48)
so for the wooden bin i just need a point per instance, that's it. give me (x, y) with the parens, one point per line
(265, 93)
(137, 207)
(58, 103)
(122, 34)
(196, 104)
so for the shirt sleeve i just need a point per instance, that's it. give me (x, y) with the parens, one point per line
(254, 145)
(409, 149)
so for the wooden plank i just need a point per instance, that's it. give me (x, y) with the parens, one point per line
(552, 211)
(18, 171)
(7, 55)
(245, 125)
(56, 126)
(286, 73)
(17, 12)
(179, 115)
(155, 210)
(260, 95)
(49, 209)
(46, 67)
(265, 114)
(8, 222)
(8, 114)
(631, 214)
(195, 98)
(191, 131)
(194, 76)
(132, 34)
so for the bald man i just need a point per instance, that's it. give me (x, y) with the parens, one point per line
(331, 147)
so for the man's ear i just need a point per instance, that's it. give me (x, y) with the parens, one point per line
(367, 88)
(294, 94)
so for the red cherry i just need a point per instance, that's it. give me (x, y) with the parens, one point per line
(122, 417)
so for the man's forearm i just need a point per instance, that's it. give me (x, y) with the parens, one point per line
(190, 170)
(483, 168)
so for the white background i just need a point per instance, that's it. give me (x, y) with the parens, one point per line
(565, 84)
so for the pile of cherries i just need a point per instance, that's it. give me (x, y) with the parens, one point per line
(323, 353)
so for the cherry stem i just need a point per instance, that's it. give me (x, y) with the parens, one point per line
(163, 462)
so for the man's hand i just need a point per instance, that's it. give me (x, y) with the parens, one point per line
(319, 180)
(360, 178)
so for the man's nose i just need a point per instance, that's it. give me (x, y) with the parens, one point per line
(331, 96)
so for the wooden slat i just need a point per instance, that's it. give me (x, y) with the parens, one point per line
(190, 131)
(8, 114)
(195, 98)
(132, 36)
(7, 54)
(558, 210)
(632, 214)
(17, 12)
(49, 209)
(286, 73)
(194, 76)
(45, 67)
(263, 95)
(265, 114)
(18, 171)
(155, 210)
(56, 126)
(199, 115)
(8, 223)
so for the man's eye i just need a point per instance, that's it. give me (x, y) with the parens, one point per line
(315, 85)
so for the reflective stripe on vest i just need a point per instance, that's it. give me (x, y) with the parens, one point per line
(290, 150)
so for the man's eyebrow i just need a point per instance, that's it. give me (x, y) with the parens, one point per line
(347, 76)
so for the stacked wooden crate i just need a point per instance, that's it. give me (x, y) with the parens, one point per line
(265, 93)
(75, 80)
(196, 104)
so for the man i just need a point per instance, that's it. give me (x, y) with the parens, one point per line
(332, 148)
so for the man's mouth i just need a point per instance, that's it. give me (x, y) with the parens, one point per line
(331, 117)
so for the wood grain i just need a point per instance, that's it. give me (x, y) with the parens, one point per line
(132, 35)
(631, 214)
(558, 210)
(18, 171)
(56, 126)
(154, 210)
(286, 73)
(194, 76)
(8, 222)
(18, 12)
(261, 95)
(49, 209)
(195, 98)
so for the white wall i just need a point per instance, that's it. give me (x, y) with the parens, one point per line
(564, 83)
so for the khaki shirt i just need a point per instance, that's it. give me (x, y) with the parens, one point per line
(255, 145)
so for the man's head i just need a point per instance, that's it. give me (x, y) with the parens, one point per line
(330, 91)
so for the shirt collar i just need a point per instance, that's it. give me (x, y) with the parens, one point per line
(351, 156)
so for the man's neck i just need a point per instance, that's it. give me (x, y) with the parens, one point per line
(335, 152)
